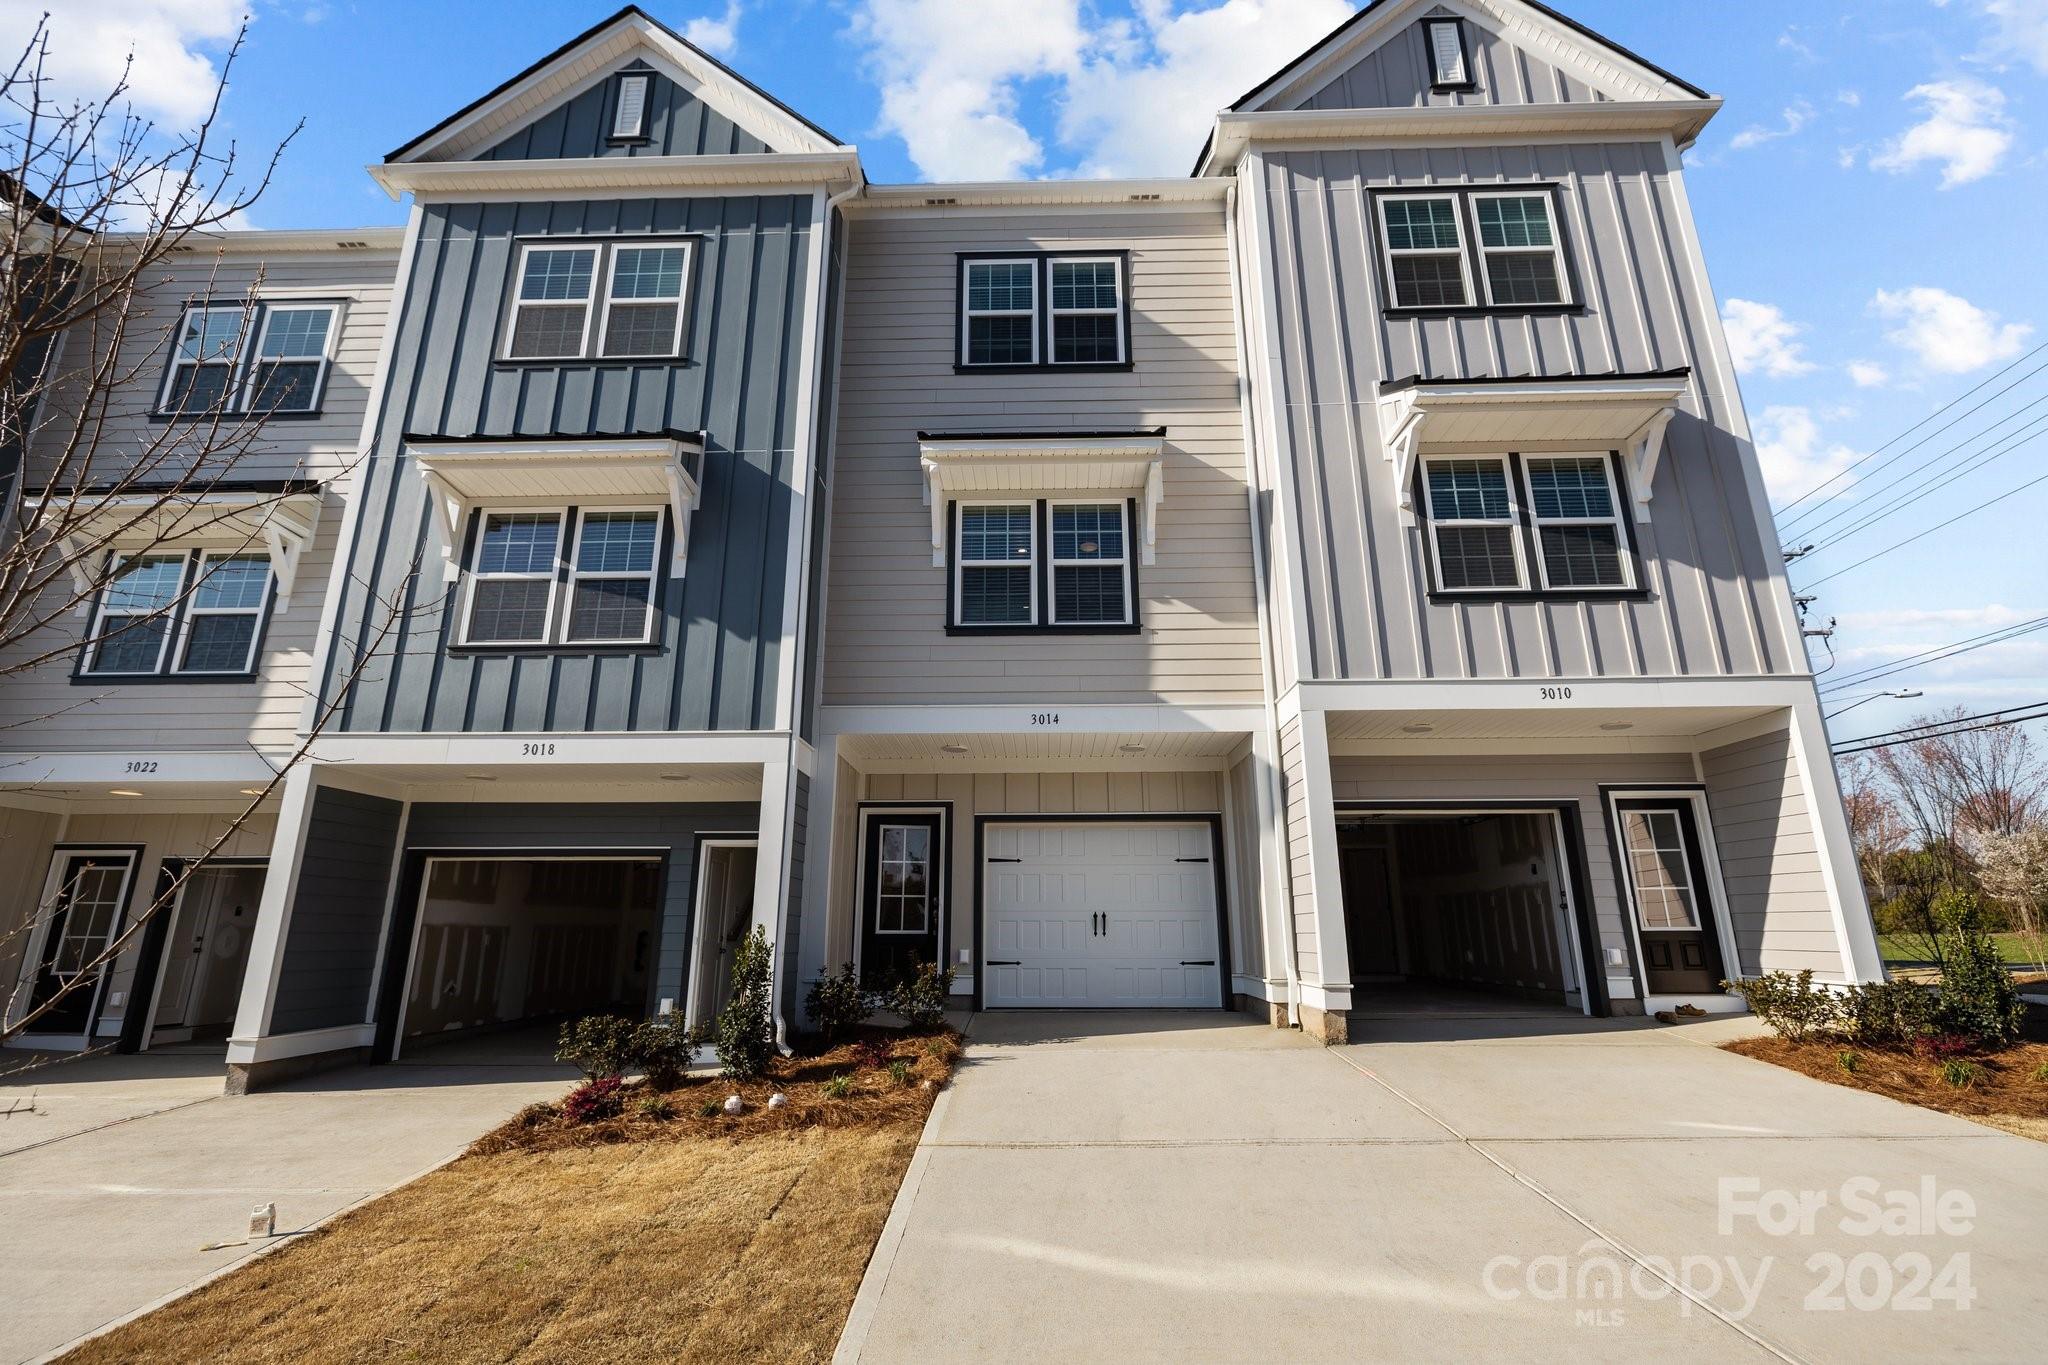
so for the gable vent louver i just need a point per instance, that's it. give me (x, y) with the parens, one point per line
(629, 119)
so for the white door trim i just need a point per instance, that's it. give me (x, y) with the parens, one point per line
(693, 960)
(32, 957)
(864, 811)
(1710, 857)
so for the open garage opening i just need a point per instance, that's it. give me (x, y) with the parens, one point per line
(1459, 912)
(506, 947)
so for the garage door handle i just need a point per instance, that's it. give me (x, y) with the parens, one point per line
(1206, 962)
(998, 962)
(1191, 860)
(1006, 860)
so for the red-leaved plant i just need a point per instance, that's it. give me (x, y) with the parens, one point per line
(602, 1098)
(1942, 1047)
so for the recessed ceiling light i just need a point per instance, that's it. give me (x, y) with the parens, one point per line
(1618, 725)
(481, 777)
(1132, 748)
(678, 777)
(122, 791)
(1419, 729)
(954, 748)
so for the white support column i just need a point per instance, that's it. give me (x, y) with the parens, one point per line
(813, 942)
(1330, 987)
(1854, 931)
(771, 871)
(1276, 907)
(273, 912)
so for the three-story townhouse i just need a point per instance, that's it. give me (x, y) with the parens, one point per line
(1546, 721)
(166, 703)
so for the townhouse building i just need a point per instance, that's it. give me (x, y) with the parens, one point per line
(1336, 582)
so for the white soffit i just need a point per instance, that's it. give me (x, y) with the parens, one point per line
(1125, 463)
(964, 751)
(464, 474)
(1625, 413)
(1421, 728)
(279, 521)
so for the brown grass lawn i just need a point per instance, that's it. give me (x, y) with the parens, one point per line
(694, 1238)
(2010, 1094)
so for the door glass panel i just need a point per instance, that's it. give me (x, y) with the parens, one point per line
(94, 900)
(1660, 865)
(903, 892)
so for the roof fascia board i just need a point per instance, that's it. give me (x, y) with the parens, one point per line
(245, 240)
(1134, 194)
(477, 180)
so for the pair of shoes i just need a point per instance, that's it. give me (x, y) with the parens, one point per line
(1691, 1011)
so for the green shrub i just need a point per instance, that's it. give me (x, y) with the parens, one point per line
(920, 996)
(663, 1048)
(1888, 1013)
(656, 1108)
(899, 1071)
(839, 1004)
(1978, 998)
(838, 1087)
(1961, 1072)
(2041, 1073)
(710, 1109)
(746, 1026)
(1790, 1006)
(598, 1045)
(1848, 1061)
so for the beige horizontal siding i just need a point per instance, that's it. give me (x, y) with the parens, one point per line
(1300, 852)
(25, 839)
(885, 639)
(1779, 905)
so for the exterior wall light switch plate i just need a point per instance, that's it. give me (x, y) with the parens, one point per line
(965, 957)
(1614, 958)
(668, 1005)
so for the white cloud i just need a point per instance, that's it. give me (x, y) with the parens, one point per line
(1795, 457)
(719, 36)
(1795, 117)
(1143, 104)
(1868, 374)
(2020, 29)
(1966, 131)
(1945, 333)
(174, 73)
(1134, 95)
(1849, 99)
(1762, 340)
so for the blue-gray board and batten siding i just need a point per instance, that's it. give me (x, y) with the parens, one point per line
(717, 655)
(677, 124)
(330, 950)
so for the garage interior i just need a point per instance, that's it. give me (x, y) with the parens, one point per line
(509, 941)
(1455, 912)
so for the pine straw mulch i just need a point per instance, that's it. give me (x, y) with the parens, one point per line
(2011, 1093)
(695, 1239)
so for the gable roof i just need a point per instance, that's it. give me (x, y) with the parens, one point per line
(1348, 39)
(592, 54)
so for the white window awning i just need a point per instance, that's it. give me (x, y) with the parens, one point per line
(278, 518)
(1627, 413)
(1126, 463)
(463, 473)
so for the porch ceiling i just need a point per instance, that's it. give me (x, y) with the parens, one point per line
(967, 751)
(1664, 722)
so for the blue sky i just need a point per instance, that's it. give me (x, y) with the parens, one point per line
(1871, 202)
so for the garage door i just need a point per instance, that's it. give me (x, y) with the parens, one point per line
(1099, 916)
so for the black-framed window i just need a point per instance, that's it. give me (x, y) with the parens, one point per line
(1498, 525)
(1496, 248)
(561, 576)
(184, 613)
(1450, 61)
(599, 299)
(1051, 564)
(269, 358)
(1042, 310)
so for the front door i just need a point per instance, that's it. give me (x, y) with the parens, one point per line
(83, 915)
(901, 896)
(1668, 884)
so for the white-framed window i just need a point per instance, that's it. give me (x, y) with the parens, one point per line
(201, 376)
(513, 571)
(1576, 510)
(131, 631)
(551, 302)
(1091, 564)
(995, 564)
(294, 346)
(1087, 302)
(1474, 535)
(224, 616)
(1520, 253)
(903, 879)
(1425, 246)
(1660, 870)
(629, 114)
(643, 302)
(999, 312)
(1450, 68)
(611, 576)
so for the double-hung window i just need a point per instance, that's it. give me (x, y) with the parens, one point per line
(1523, 262)
(1091, 564)
(996, 567)
(551, 305)
(1577, 515)
(1043, 311)
(1000, 313)
(518, 570)
(154, 620)
(1425, 244)
(202, 372)
(264, 359)
(290, 364)
(601, 300)
(1472, 524)
(643, 306)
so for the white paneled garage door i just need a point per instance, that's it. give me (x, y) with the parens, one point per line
(1100, 915)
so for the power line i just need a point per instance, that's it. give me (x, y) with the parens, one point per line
(1879, 512)
(1940, 525)
(1865, 676)
(1991, 378)
(1930, 726)
(1807, 528)
(1940, 734)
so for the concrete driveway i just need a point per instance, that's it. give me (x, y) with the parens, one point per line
(125, 1167)
(1193, 1187)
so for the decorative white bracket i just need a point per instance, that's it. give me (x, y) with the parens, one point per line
(1117, 465)
(684, 497)
(450, 512)
(1643, 451)
(1148, 512)
(935, 499)
(1401, 419)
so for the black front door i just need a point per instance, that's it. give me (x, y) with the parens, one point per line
(82, 918)
(1674, 912)
(901, 897)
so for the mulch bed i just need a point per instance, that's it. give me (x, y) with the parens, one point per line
(2012, 1083)
(874, 1094)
